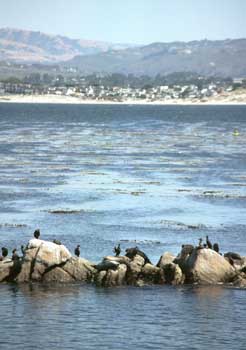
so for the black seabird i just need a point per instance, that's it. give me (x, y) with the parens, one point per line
(36, 234)
(117, 250)
(15, 256)
(209, 244)
(77, 250)
(216, 247)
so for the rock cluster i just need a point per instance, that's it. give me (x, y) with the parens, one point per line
(46, 262)
(49, 262)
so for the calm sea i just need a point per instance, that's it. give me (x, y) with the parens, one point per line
(99, 175)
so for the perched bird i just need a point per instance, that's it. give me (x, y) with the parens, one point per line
(216, 247)
(209, 244)
(117, 250)
(23, 250)
(200, 243)
(36, 234)
(4, 252)
(15, 256)
(77, 250)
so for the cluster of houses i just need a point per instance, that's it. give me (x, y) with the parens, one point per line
(116, 93)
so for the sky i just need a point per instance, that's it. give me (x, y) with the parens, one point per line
(129, 21)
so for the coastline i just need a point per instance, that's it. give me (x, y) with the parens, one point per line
(230, 99)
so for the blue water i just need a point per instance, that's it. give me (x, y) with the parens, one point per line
(151, 176)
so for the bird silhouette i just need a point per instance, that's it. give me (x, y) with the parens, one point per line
(77, 250)
(117, 250)
(209, 244)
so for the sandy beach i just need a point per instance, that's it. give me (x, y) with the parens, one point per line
(237, 98)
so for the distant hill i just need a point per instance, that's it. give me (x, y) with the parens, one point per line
(36, 47)
(209, 58)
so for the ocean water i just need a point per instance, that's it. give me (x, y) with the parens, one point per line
(99, 175)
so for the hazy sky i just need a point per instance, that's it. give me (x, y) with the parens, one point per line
(130, 21)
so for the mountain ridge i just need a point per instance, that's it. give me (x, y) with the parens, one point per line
(207, 57)
(225, 58)
(36, 47)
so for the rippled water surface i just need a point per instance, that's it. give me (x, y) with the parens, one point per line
(152, 176)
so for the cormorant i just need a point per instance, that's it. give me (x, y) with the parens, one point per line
(15, 256)
(200, 243)
(4, 252)
(216, 248)
(77, 250)
(36, 234)
(117, 250)
(23, 250)
(209, 244)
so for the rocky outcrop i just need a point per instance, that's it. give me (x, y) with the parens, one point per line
(236, 260)
(166, 258)
(9, 270)
(173, 274)
(75, 269)
(111, 277)
(240, 280)
(40, 257)
(151, 274)
(116, 271)
(49, 262)
(57, 275)
(134, 269)
(205, 266)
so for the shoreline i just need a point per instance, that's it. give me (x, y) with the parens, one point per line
(57, 99)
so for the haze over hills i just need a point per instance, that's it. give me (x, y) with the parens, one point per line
(221, 58)
(224, 58)
(36, 47)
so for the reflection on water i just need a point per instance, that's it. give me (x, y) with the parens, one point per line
(155, 176)
(75, 317)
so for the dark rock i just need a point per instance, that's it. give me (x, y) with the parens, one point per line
(233, 256)
(9, 270)
(132, 252)
(173, 274)
(107, 265)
